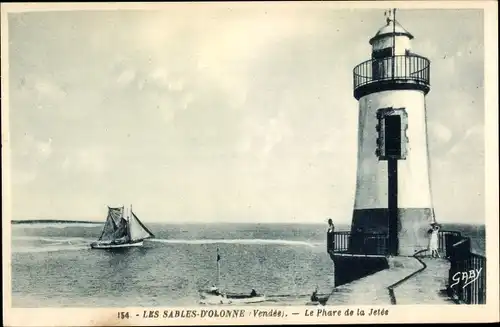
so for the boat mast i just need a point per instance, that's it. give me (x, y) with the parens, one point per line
(128, 225)
(104, 227)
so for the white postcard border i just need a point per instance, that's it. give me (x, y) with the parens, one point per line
(405, 313)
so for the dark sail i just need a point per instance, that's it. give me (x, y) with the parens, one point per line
(116, 214)
(112, 224)
(122, 230)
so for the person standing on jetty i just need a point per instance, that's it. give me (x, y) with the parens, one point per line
(330, 239)
(331, 227)
(434, 241)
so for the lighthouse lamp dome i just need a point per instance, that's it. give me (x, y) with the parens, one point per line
(392, 35)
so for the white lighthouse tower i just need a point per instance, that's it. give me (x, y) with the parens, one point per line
(393, 193)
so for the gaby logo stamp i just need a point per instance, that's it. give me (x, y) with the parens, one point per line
(466, 277)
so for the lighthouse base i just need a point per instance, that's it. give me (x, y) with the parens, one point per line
(351, 267)
(413, 224)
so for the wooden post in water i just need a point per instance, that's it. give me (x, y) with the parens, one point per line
(218, 268)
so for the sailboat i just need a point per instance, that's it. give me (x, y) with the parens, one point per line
(121, 232)
(213, 296)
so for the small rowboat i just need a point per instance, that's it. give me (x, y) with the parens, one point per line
(206, 297)
(213, 296)
(319, 302)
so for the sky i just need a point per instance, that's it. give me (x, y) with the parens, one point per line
(225, 113)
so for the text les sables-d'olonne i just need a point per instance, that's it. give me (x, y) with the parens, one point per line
(209, 313)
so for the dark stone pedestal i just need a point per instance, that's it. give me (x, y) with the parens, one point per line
(350, 267)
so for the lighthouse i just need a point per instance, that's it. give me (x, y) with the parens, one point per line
(393, 191)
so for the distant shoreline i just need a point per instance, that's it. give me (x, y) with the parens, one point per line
(53, 221)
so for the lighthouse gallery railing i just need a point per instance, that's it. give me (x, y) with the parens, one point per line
(358, 243)
(377, 242)
(412, 68)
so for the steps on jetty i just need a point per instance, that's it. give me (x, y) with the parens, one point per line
(426, 287)
(372, 289)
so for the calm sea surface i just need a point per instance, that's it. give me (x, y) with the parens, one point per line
(53, 266)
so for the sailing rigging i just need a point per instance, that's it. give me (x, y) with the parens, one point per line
(119, 231)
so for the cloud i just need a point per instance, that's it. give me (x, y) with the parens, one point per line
(28, 155)
(163, 79)
(88, 160)
(48, 89)
(126, 77)
(38, 150)
(20, 177)
(44, 148)
(91, 160)
(223, 57)
(438, 133)
(160, 77)
(261, 137)
(47, 98)
(471, 142)
(458, 178)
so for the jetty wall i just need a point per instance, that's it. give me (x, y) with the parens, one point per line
(351, 267)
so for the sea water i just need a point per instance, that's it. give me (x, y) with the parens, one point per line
(53, 265)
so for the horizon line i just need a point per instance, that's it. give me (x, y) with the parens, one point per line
(48, 220)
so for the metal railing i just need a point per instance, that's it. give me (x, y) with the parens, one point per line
(445, 241)
(378, 242)
(358, 243)
(337, 241)
(467, 274)
(403, 67)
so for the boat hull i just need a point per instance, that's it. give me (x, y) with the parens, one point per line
(319, 302)
(206, 298)
(115, 246)
(313, 303)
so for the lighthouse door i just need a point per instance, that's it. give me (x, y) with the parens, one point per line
(393, 136)
(393, 151)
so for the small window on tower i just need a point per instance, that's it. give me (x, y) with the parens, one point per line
(382, 53)
(381, 63)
